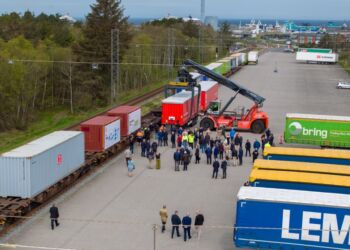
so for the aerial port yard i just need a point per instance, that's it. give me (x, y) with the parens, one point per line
(107, 210)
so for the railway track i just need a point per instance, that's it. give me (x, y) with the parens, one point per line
(13, 208)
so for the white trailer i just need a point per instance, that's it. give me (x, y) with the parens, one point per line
(253, 57)
(322, 58)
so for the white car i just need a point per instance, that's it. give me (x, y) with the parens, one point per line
(343, 85)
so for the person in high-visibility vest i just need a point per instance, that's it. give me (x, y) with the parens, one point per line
(191, 140)
(185, 140)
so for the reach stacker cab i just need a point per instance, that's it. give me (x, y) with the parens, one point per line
(253, 119)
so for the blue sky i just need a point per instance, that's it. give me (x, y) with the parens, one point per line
(274, 9)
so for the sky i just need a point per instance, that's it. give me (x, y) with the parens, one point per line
(234, 9)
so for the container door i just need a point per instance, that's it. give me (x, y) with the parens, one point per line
(111, 134)
(134, 121)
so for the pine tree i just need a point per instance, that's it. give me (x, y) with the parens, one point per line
(105, 16)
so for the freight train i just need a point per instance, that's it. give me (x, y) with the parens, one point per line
(36, 171)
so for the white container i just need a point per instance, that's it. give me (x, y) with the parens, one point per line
(253, 57)
(30, 169)
(317, 57)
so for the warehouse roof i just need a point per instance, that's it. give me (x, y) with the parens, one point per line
(319, 117)
(301, 167)
(42, 144)
(300, 177)
(294, 196)
(321, 153)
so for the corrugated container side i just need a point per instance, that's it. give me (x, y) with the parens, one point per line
(14, 177)
(129, 124)
(27, 177)
(56, 163)
(292, 220)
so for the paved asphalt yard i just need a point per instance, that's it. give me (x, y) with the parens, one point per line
(112, 211)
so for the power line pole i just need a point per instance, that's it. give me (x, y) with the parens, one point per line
(114, 63)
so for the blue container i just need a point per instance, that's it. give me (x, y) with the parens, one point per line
(291, 219)
(300, 186)
(306, 158)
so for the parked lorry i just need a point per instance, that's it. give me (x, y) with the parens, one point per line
(320, 130)
(317, 57)
(253, 57)
(268, 218)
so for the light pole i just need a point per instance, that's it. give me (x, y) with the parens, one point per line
(114, 62)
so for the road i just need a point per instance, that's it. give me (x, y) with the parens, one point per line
(112, 211)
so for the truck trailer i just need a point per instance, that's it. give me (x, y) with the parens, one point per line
(320, 130)
(269, 218)
(253, 57)
(317, 57)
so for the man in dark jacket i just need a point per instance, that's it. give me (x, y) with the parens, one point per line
(248, 147)
(208, 153)
(186, 160)
(216, 166)
(54, 215)
(176, 222)
(255, 154)
(173, 139)
(154, 147)
(186, 223)
(240, 156)
(198, 222)
(177, 159)
(224, 167)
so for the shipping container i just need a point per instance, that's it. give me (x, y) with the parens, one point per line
(320, 130)
(253, 57)
(209, 93)
(176, 109)
(101, 133)
(226, 66)
(317, 57)
(30, 169)
(244, 58)
(327, 156)
(130, 118)
(216, 67)
(291, 219)
(315, 50)
(306, 167)
(318, 182)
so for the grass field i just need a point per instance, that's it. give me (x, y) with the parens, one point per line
(60, 118)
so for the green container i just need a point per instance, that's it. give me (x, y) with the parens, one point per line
(226, 66)
(320, 130)
(315, 50)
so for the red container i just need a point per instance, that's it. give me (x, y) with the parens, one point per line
(176, 109)
(101, 133)
(130, 118)
(209, 93)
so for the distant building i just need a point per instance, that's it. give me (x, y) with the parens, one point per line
(68, 18)
(212, 21)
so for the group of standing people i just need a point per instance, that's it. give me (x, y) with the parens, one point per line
(186, 223)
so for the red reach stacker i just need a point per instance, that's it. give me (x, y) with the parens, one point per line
(253, 119)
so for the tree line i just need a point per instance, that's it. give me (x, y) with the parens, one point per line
(46, 62)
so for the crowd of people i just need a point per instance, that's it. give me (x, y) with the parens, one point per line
(223, 149)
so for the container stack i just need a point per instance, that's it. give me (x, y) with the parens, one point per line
(296, 198)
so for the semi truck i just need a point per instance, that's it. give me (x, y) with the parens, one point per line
(319, 130)
(253, 57)
(317, 57)
(271, 218)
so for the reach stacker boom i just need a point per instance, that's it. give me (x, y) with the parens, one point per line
(253, 119)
